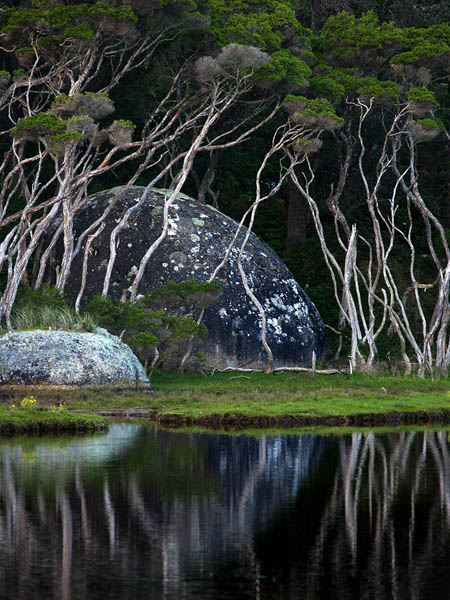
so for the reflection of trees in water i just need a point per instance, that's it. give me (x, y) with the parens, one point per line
(148, 513)
(384, 528)
(143, 513)
(397, 480)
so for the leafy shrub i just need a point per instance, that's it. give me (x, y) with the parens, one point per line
(312, 112)
(160, 323)
(421, 100)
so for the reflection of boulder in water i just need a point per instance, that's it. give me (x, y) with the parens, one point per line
(197, 240)
(257, 478)
(65, 453)
(238, 485)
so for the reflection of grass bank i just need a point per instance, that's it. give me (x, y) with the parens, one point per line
(313, 430)
(255, 399)
(14, 420)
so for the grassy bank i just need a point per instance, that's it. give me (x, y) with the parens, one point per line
(284, 399)
(289, 399)
(15, 420)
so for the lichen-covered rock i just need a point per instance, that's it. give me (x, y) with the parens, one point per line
(67, 358)
(197, 240)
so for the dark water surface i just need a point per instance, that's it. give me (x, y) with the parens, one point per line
(146, 513)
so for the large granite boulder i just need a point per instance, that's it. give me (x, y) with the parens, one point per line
(68, 358)
(197, 240)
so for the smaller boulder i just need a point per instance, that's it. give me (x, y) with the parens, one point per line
(68, 358)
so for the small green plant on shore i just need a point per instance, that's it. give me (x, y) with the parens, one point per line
(61, 407)
(46, 308)
(28, 403)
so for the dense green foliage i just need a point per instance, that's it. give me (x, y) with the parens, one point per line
(72, 20)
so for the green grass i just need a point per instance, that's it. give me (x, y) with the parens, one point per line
(15, 420)
(31, 317)
(282, 398)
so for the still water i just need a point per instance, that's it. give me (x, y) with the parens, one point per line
(141, 512)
